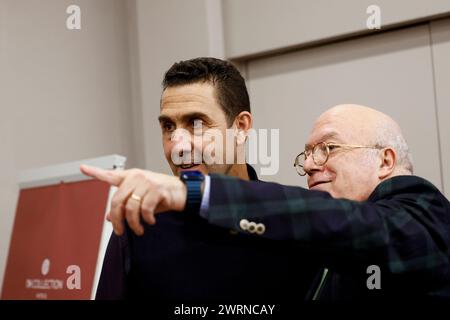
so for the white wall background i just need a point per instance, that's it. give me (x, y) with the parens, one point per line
(69, 95)
(255, 27)
(440, 50)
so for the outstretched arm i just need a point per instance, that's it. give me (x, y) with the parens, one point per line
(403, 226)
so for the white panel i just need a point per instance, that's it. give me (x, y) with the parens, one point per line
(391, 72)
(258, 26)
(440, 32)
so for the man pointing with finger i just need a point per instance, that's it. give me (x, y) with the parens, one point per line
(365, 208)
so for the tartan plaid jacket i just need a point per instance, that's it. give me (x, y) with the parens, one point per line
(403, 228)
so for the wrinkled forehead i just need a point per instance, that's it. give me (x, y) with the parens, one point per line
(331, 129)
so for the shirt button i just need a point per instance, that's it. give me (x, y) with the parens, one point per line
(260, 228)
(243, 224)
(251, 227)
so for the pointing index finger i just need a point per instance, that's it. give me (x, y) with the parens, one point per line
(112, 177)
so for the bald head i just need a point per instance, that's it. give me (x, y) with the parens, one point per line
(366, 126)
(353, 172)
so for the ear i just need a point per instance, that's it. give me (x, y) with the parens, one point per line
(388, 161)
(243, 122)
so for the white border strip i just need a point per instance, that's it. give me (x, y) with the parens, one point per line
(104, 240)
(106, 232)
(67, 172)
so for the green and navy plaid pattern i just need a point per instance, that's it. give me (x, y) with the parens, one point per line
(404, 226)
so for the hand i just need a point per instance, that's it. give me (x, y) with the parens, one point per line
(158, 193)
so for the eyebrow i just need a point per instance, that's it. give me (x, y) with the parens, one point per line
(185, 117)
(164, 119)
(328, 136)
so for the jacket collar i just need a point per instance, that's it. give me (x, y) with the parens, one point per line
(401, 184)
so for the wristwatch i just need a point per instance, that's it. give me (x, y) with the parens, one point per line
(193, 181)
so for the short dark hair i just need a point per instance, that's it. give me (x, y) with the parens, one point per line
(231, 91)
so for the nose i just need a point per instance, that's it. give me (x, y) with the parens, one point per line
(180, 135)
(310, 166)
(181, 146)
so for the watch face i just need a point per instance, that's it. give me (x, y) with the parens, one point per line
(191, 175)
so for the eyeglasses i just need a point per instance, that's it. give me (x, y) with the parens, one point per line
(320, 153)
